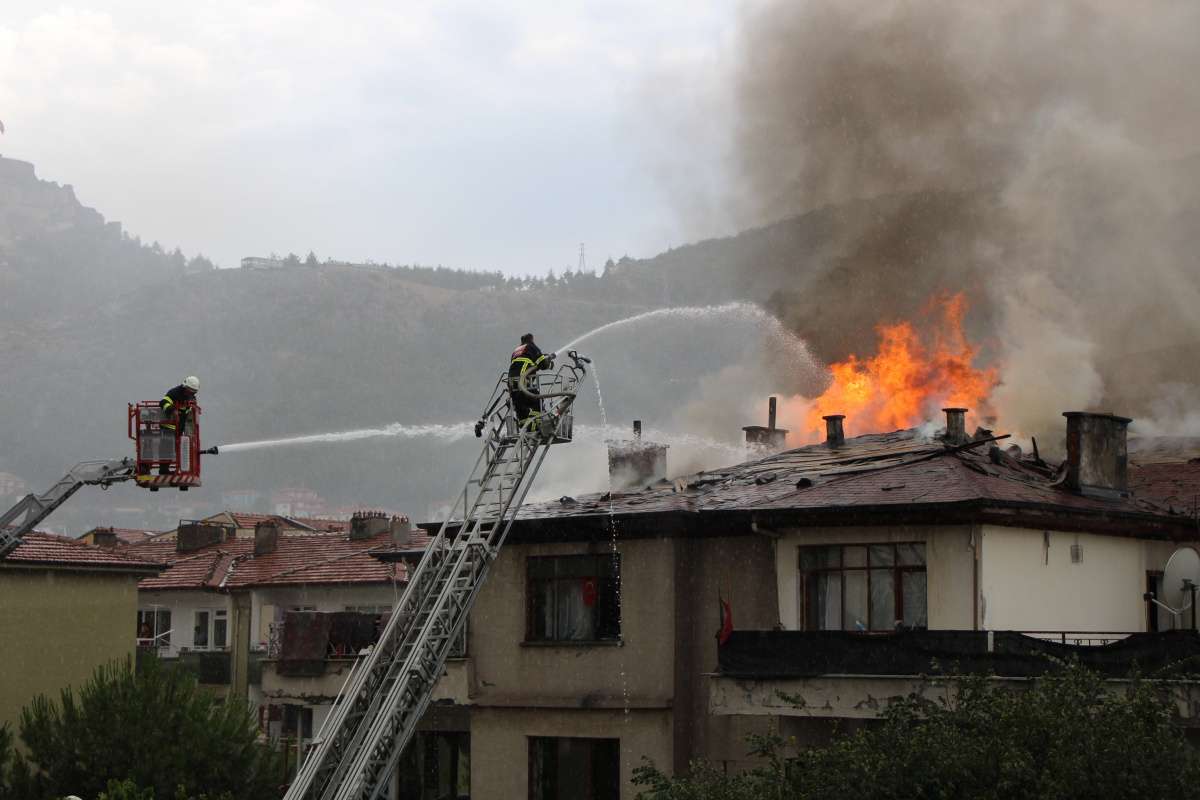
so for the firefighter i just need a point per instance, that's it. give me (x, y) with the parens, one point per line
(176, 416)
(527, 359)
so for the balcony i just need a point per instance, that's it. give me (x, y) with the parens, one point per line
(209, 667)
(840, 674)
(310, 654)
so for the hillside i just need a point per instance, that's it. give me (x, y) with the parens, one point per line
(95, 318)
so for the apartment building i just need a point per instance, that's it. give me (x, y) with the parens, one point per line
(594, 643)
(67, 610)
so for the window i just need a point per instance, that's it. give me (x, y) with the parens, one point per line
(297, 721)
(436, 766)
(574, 598)
(211, 629)
(863, 587)
(574, 769)
(154, 627)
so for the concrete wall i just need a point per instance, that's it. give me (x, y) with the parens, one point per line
(1028, 581)
(740, 569)
(500, 743)
(949, 559)
(57, 627)
(638, 671)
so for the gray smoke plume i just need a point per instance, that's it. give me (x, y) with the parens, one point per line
(1036, 155)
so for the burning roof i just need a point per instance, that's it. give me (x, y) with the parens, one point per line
(902, 476)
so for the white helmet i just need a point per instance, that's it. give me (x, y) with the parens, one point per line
(192, 382)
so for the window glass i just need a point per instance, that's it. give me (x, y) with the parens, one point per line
(911, 555)
(855, 618)
(869, 588)
(883, 598)
(882, 555)
(573, 598)
(820, 557)
(854, 556)
(220, 628)
(567, 769)
(200, 630)
(825, 601)
(915, 602)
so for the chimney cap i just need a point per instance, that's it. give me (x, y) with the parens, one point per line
(833, 416)
(954, 409)
(1100, 414)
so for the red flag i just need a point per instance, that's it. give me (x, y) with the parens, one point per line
(726, 620)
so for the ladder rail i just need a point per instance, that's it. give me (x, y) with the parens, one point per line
(461, 610)
(369, 738)
(381, 701)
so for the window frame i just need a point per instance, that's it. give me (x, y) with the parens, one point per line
(599, 746)
(897, 569)
(159, 637)
(608, 574)
(210, 629)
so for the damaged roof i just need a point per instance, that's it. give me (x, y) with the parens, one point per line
(896, 477)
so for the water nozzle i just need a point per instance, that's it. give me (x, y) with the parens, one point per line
(212, 451)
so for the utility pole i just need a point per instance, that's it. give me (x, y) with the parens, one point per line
(582, 260)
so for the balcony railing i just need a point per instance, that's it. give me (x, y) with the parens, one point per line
(804, 654)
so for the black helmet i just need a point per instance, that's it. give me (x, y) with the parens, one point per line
(527, 338)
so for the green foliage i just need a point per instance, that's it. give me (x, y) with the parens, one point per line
(1068, 735)
(154, 727)
(125, 790)
(128, 790)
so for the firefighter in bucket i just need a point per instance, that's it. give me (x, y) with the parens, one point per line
(524, 363)
(177, 418)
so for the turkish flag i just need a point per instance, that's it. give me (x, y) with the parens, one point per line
(726, 620)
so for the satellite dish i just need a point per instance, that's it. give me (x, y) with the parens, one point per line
(1181, 574)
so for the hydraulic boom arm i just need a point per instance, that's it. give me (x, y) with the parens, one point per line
(33, 508)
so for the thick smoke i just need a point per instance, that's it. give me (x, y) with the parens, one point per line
(1036, 155)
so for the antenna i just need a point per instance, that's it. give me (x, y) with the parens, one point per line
(582, 260)
(1181, 579)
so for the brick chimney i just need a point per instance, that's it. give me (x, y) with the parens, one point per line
(368, 524)
(1096, 454)
(266, 537)
(104, 537)
(770, 437)
(636, 462)
(402, 530)
(195, 535)
(835, 435)
(956, 426)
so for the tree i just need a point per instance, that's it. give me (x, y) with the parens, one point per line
(311, 259)
(1068, 735)
(152, 726)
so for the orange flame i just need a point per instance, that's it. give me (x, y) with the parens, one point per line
(909, 379)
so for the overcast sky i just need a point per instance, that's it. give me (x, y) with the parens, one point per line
(468, 133)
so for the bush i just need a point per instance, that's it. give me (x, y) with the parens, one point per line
(1068, 735)
(153, 727)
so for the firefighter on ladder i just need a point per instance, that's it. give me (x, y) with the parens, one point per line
(525, 362)
(176, 417)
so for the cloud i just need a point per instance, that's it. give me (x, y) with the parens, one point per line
(229, 126)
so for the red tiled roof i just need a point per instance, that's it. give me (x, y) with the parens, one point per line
(1175, 485)
(299, 558)
(249, 520)
(52, 550)
(126, 535)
